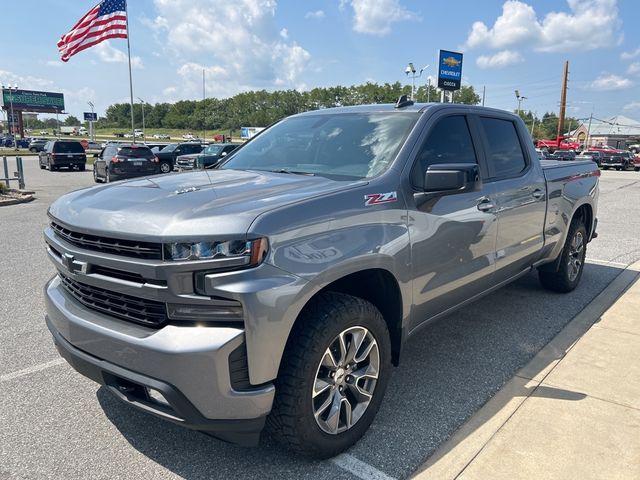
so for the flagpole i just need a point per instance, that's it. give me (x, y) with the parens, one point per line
(126, 7)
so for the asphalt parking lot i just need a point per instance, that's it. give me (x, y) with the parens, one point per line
(56, 424)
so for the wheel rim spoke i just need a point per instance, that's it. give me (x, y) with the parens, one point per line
(321, 386)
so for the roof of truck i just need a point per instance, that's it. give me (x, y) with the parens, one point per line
(390, 107)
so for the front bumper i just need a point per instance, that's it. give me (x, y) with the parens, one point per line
(188, 364)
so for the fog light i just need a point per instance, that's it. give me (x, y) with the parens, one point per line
(231, 312)
(157, 397)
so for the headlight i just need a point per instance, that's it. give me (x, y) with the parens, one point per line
(229, 253)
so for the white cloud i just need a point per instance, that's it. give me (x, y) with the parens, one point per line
(241, 39)
(609, 81)
(318, 14)
(632, 106)
(590, 24)
(630, 55)
(110, 54)
(169, 91)
(500, 59)
(375, 17)
(634, 68)
(54, 63)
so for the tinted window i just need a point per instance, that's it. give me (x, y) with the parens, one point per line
(193, 148)
(354, 145)
(135, 152)
(68, 147)
(213, 150)
(448, 142)
(170, 148)
(504, 150)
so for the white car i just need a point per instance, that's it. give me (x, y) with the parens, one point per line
(161, 136)
(189, 136)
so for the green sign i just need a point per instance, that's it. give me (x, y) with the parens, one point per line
(30, 100)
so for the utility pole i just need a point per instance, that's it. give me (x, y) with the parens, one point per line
(533, 123)
(483, 91)
(563, 99)
(144, 138)
(204, 112)
(586, 143)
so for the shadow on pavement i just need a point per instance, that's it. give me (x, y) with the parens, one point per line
(448, 371)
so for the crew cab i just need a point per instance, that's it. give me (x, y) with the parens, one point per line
(168, 155)
(281, 287)
(211, 156)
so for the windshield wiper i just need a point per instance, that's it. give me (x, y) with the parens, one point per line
(293, 172)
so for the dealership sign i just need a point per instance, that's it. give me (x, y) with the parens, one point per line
(32, 101)
(449, 70)
(90, 116)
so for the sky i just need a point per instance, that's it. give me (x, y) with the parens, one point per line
(301, 44)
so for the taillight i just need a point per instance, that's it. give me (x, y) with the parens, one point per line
(155, 159)
(115, 159)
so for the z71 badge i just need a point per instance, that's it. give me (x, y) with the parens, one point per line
(378, 198)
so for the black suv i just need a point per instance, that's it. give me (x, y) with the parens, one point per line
(595, 156)
(564, 155)
(209, 158)
(117, 161)
(57, 154)
(168, 154)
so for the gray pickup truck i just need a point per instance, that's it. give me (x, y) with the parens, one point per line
(280, 288)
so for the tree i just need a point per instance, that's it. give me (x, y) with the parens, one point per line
(71, 121)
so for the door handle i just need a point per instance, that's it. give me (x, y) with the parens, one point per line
(537, 194)
(485, 204)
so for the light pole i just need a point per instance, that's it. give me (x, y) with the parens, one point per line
(520, 98)
(143, 133)
(12, 124)
(412, 70)
(92, 136)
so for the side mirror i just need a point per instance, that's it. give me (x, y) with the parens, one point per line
(451, 178)
(96, 155)
(223, 154)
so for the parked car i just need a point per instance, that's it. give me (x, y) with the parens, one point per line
(208, 158)
(189, 136)
(119, 134)
(564, 155)
(618, 159)
(91, 145)
(58, 154)
(124, 160)
(37, 144)
(44, 132)
(594, 155)
(280, 287)
(169, 154)
(161, 136)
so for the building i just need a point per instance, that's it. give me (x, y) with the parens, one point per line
(618, 132)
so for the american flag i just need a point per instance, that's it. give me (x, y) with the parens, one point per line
(106, 20)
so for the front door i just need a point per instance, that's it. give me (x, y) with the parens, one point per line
(453, 236)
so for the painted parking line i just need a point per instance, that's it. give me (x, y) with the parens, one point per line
(30, 370)
(597, 261)
(359, 468)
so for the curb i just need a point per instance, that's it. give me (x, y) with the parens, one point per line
(452, 457)
(16, 201)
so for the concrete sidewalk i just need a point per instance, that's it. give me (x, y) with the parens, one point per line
(573, 412)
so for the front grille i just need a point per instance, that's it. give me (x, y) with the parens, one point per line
(126, 307)
(127, 248)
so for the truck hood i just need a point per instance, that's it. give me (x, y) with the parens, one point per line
(203, 204)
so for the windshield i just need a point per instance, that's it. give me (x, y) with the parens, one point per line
(170, 148)
(68, 147)
(213, 150)
(354, 145)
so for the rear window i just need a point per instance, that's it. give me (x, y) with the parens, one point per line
(505, 152)
(135, 152)
(67, 147)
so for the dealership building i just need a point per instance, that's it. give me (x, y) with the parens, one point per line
(618, 131)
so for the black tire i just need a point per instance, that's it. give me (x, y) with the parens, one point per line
(42, 167)
(33, 150)
(637, 169)
(107, 176)
(165, 167)
(95, 175)
(292, 419)
(82, 167)
(618, 169)
(568, 275)
(605, 168)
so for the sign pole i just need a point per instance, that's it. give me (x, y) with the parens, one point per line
(130, 78)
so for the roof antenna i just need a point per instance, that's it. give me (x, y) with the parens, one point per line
(403, 102)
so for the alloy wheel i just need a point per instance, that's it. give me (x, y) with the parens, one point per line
(345, 380)
(576, 255)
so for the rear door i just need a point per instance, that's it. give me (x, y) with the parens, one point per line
(519, 192)
(453, 237)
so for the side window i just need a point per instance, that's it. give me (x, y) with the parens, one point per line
(504, 151)
(448, 142)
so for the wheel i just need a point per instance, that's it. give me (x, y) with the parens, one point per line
(42, 167)
(618, 169)
(107, 176)
(568, 275)
(33, 150)
(333, 376)
(165, 167)
(636, 169)
(82, 167)
(605, 168)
